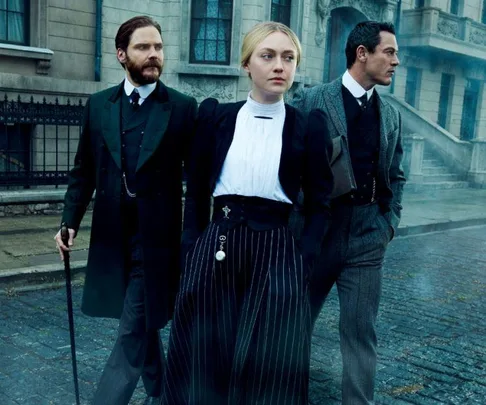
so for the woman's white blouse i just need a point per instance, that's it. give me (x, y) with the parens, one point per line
(253, 160)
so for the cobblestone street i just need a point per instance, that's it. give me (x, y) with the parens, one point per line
(431, 330)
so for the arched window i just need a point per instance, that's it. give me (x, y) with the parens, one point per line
(211, 24)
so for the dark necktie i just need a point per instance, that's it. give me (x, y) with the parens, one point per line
(363, 100)
(134, 97)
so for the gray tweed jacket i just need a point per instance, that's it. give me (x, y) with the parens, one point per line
(328, 97)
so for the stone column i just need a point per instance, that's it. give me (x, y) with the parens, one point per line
(477, 171)
(389, 11)
(416, 158)
(430, 21)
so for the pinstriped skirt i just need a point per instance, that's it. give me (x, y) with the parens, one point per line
(241, 329)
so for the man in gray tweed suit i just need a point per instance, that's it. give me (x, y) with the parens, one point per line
(366, 206)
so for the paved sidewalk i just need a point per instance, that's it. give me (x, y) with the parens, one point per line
(28, 256)
(431, 333)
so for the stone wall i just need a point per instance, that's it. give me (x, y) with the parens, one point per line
(13, 210)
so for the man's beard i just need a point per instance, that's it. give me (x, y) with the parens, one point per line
(137, 72)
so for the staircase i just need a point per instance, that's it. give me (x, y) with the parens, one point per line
(436, 174)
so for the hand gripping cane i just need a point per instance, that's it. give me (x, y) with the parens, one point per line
(69, 299)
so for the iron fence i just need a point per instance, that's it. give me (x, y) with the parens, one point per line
(38, 141)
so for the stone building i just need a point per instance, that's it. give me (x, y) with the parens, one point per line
(64, 49)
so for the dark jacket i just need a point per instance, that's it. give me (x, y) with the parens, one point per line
(168, 134)
(304, 165)
(329, 98)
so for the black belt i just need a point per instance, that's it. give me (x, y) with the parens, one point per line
(355, 198)
(259, 213)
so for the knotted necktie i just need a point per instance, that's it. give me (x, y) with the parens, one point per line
(134, 97)
(363, 100)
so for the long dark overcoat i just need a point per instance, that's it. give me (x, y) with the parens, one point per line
(165, 144)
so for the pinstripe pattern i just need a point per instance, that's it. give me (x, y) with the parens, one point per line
(241, 330)
(353, 259)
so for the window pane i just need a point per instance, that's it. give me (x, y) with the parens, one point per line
(198, 8)
(274, 16)
(15, 27)
(226, 10)
(211, 31)
(3, 26)
(281, 11)
(16, 5)
(454, 6)
(3, 4)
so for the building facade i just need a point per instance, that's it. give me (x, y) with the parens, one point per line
(64, 49)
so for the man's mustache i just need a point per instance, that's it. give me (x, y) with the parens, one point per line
(153, 64)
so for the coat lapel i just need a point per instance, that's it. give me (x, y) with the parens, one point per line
(335, 106)
(156, 125)
(111, 124)
(224, 136)
(289, 130)
(385, 130)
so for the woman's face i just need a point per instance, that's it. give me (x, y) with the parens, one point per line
(272, 67)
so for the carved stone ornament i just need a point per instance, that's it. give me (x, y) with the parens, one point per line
(478, 37)
(322, 11)
(202, 87)
(371, 9)
(448, 28)
(389, 13)
(43, 66)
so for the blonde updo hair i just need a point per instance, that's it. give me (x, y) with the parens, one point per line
(262, 30)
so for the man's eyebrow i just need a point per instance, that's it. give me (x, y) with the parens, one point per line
(148, 43)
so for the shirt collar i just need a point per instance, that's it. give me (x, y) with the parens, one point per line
(354, 87)
(269, 110)
(144, 90)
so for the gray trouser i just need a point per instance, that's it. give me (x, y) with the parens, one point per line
(352, 257)
(137, 352)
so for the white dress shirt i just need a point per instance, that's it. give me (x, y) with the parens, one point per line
(355, 88)
(144, 90)
(253, 160)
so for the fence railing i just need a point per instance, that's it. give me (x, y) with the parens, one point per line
(38, 141)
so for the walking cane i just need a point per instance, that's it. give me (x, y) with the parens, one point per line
(69, 299)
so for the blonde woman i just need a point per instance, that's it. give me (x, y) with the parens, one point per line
(241, 327)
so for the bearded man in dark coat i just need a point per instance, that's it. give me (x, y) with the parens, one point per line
(131, 151)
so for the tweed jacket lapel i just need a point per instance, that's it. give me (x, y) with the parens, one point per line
(386, 130)
(333, 99)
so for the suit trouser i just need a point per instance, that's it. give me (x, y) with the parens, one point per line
(241, 329)
(137, 352)
(352, 257)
